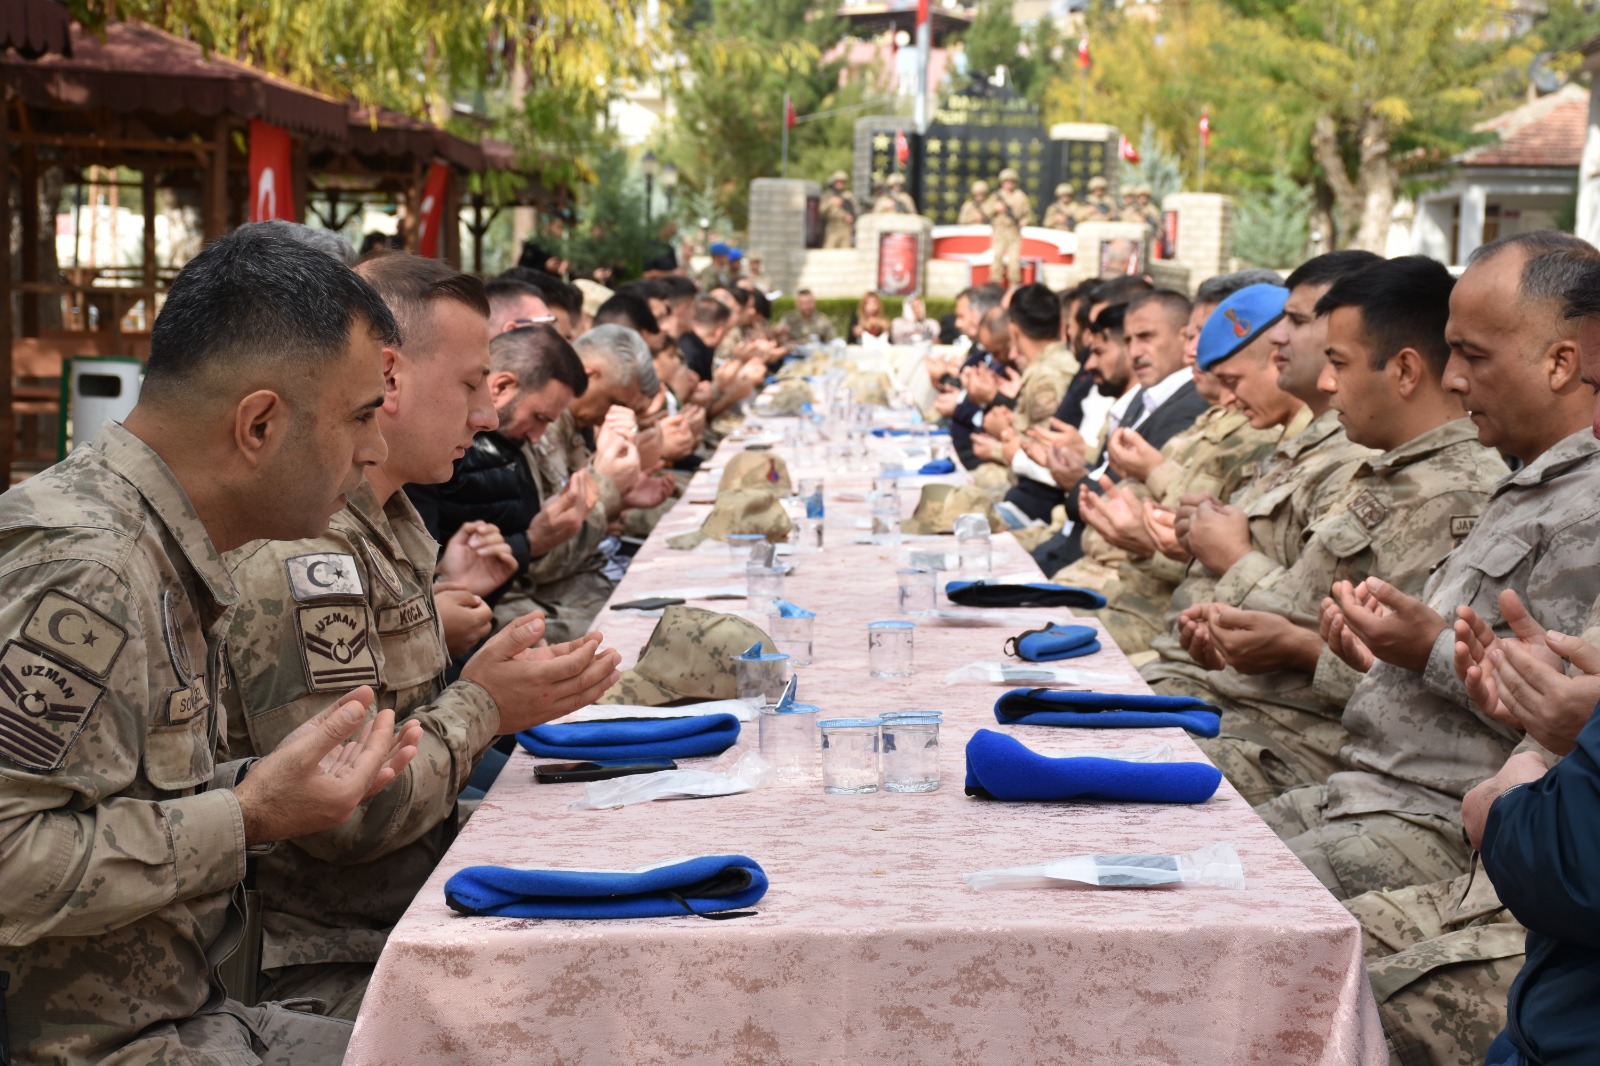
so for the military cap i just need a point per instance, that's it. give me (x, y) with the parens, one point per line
(1009, 174)
(719, 248)
(1143, 190)
(980, 188)
(739, 511)
(789, 398)
(689, 655)
(897, 179)
(594, 295)
(1098, 182)
(940, 505)
(1065, 189)
(1238, 321)
(869, 386)
(735, 254)
(838, 176)
(757, 470)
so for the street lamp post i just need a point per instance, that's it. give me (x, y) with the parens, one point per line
(669, 183)
(649, 166)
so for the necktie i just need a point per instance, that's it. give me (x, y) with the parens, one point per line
(1135, 412)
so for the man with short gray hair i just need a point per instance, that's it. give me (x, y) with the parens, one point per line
(599, 433)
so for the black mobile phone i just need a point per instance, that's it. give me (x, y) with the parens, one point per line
(950, 380)
(561, 773)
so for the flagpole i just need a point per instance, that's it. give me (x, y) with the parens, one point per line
(785, 171)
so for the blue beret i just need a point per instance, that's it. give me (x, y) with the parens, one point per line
(1238, 321)
(735, 254)
(719, 249)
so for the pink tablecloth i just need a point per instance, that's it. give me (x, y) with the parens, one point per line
(869, 947)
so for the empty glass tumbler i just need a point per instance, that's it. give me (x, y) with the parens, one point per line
(889, 648)
(849, 755)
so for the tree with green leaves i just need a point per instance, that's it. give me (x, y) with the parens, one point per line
(739, 64)
(1272, 228)
(1029, 55)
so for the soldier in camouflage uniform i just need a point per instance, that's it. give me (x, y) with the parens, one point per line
(1007, 211)
(356, 607)
(1389, 817)
(1103, 207)
(1309, 476)
(1283, 690)
(895, 200)
(127, 831)
(838, 212)
(972, 208)
(1066, 212)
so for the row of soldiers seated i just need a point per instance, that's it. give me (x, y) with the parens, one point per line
(1357, 511)
(345, 487)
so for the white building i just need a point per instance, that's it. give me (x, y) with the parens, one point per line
(1517, 183)
(1589, 166)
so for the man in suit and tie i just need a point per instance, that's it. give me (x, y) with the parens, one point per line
(1166, 403)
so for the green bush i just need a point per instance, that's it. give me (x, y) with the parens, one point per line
(839, 311)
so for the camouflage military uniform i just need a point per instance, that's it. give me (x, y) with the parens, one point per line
(1043, 385)
(1217, 453)
(570, 586)
(1007, 213)
(1308, 478)
(1063, 215)
(124, 843)
(1391, 816)
(317, 618)
(802, 328)
(838, 219)
(1405, 511)
(971, 213)
(1441, 958)
(894, 203)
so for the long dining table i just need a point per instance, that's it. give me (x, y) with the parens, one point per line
(869, 947)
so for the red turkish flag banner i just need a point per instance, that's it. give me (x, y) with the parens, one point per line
(922, 12)
(271, 176)
(431, 211)
(902, 149)
(1205, 128)
(1129, 152)
(789, 117)
(1083, 52)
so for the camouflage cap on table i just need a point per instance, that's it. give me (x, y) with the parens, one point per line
(790, 397)
(688, 656)
(940, 505)
(739, 511)
(756, 470)
(869, 386)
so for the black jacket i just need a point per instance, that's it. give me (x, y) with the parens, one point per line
(491, 483)
(697, 354)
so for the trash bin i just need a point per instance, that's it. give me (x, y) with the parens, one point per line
(96, 389)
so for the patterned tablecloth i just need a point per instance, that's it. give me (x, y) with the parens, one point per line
(869, 947)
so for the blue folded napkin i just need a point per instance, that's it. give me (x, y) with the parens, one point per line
(1054, 641)
(1034, 594)
(707, 886)
(938, 466)
(1106, 710)
(634, 738)
(1001, 767)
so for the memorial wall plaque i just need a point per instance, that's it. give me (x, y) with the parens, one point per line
(977, 131)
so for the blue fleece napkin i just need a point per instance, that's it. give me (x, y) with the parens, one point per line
(705, 885)
(1034, 594)
(938, 466)
(1106, 710)
(1054, 641)
(1001, 767)
(634, 738)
